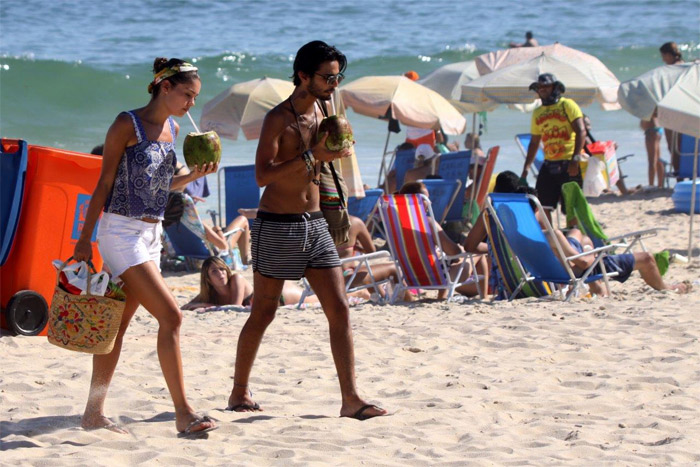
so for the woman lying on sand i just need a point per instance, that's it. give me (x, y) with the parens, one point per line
(220, 286)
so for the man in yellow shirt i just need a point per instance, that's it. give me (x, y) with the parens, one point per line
(558, 124)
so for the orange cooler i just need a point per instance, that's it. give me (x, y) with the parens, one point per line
(57, 192)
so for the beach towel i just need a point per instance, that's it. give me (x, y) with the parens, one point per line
(577, 208)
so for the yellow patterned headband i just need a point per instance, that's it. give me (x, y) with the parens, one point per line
(166, 73)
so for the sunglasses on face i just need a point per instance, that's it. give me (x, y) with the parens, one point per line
(332, 79)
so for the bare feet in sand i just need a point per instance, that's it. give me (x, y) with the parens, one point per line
(100, 421)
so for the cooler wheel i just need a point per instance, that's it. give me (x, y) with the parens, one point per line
(27, 313)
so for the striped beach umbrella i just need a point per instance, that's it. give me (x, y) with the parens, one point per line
(510, 84)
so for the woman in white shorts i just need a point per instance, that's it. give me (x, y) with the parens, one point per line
(137, 173)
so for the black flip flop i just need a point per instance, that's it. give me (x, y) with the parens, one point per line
(188, 433)
(360, 414)
(247, 407)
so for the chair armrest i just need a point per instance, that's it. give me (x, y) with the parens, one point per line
(639, 233)
(366, 257)
(627, 156)
(595, 251)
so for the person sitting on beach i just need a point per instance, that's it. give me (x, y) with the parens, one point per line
(530, 41)
(221, 286)
(214, 234)
(360, 242)
(451, 248)
(138, 167)
(290, 235)
(576, 242)
(590, 140)
(424, 165)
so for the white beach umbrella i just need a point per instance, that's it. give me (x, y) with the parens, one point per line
(641, 95)
(448, 81)
(243, 107)
(679, 110)
(399, 98)
(510, 85)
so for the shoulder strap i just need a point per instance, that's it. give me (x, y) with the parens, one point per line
(140, 133)
(322, 105)
(172, 128)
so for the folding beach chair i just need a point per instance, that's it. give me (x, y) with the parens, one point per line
(442, 194)
(403, 161)
(487, 171)
(241, 191)
(523, 142)
(364, 207)
(415, 247)
(188, 238)
(577, 207)
(362, 266)
(455, 166)
(511, 279)
(515, 218)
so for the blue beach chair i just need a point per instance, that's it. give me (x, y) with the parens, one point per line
(523, 141)
(364, 207)
(455, 166)
(13, 171)
(442, 194)
(403, 161)
(241, 190)
(516, 220)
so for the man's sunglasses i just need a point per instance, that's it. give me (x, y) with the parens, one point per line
(332, 79)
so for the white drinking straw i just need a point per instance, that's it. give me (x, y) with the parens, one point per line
(193, 123)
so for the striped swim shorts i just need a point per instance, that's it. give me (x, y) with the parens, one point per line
(284, 245)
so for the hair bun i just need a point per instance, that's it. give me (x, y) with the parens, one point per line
(159, 63)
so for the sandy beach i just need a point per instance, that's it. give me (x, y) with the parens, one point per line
(606, 380)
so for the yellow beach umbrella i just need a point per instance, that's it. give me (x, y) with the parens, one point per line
(243, 107)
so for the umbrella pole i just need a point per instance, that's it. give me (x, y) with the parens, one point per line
(476, 165)
(692, 202)
(382, 167)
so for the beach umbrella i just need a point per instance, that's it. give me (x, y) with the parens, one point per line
(679, 110)
(448, 81)
(640, 96)
(510, 85)
(243, 107)
(397, 98)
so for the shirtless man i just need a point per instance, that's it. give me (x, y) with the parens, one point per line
(290, 236)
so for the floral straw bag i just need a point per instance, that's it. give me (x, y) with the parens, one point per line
(84, 323)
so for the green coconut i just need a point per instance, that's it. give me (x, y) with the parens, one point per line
(339, 132)
(202, 148)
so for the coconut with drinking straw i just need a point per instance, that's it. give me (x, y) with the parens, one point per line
(201, 148)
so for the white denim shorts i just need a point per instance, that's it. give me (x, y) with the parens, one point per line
(125, 242)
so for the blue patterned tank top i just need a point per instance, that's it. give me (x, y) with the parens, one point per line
(144, 175)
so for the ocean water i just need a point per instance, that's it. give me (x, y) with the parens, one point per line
(68, 68)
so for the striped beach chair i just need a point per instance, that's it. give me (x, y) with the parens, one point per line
(414, 244)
